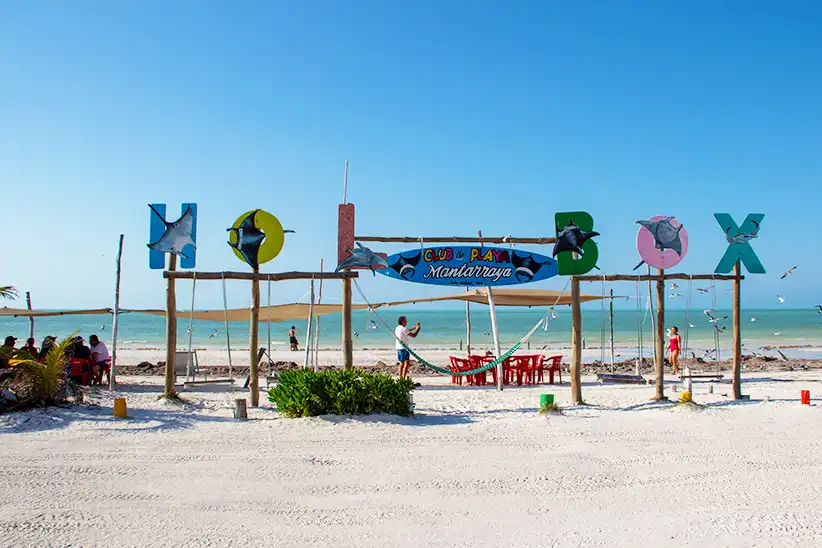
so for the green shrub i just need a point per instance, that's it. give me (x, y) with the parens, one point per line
(304, 393)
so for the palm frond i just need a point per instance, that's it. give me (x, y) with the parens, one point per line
(40, 383)
(8, 292)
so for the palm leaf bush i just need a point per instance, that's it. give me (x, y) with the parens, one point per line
(8, 292)
(39, 384)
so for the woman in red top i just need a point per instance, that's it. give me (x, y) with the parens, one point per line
(675, 346)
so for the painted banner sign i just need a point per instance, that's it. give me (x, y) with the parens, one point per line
(469, 266)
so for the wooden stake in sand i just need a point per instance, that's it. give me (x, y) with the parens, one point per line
(495, 332)
(115, 327)
(317, 326)
(347, 342)
(171, 326)
(31, 318)
(659, 343)
(576, 344)
(254, 342)
(737, 365)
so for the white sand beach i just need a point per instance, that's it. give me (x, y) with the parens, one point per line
(474, 467)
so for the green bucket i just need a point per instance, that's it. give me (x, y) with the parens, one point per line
(545, 400)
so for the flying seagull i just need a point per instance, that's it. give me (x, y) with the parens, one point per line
(781, 299)
(819, 308)
(712, 318)
(788, 273)
(703, 291)
(777, 333)
(674, 295)
(674, 286)
(753, 319)
(719, 328)
(177, 236)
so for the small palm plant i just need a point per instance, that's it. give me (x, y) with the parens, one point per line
(8, 292)
(41, 384)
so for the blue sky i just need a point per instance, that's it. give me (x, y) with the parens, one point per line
(455, 116)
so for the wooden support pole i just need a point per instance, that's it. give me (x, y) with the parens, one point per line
(660, 338)
(115, 327)
(611, 326)
(576, 344)
(171, 326)
(651, 311)
(495, 332)
(31, 318)
(317, 326)
(309, 324)
(275, 277)
(347, 341)
(254, 343)
(468, 323)
(737, 372)
(455, 240)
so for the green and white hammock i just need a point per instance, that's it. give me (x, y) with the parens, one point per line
(443, 370)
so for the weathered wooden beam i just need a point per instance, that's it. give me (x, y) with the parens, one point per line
(171, 326)
(659, 357)
(655, 277)
(576, 344)
(260, 276)
(454, 240)
(737, 363)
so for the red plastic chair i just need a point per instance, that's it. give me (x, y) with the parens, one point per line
(105, 369)
(479, 361)
(554, 366)
(460, 365)
(79, 368)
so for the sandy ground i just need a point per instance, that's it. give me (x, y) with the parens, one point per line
(474, 467)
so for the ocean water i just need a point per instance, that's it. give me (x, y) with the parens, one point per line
(446, 329)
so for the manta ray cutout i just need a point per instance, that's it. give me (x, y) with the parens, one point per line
(571, 238)
(362, 257)
(740, 237)
(406, 266)
(249, 240)
(526, 267)
(177, 235)
(665, 235)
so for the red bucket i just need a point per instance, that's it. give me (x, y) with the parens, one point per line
(806, 397)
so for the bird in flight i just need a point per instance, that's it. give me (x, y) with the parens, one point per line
(777, 333)
(674, 286)
(711, 317)
(674, 295)
(788, 273)
(719, 328)
(753, 319)
(819, 308)
(780, 299)
(703, 291)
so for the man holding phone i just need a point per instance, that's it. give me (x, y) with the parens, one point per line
(401, 332)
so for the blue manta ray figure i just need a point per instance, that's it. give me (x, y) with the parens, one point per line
(406, 266)
(249, 240)
(362, 257)
(177, 236)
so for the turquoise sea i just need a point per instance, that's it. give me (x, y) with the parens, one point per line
(446, 328)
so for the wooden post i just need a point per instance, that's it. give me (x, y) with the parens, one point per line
(317, 325)
(115, 327)
(171, 326)
(611, 321)
(468, 322)
(576, 344)
(495, 332)
(309, 324)
(240, 408)
(253, 343)
(31, 318)
(347, 342)
(659, 343)
(651, 312)
(737, 380)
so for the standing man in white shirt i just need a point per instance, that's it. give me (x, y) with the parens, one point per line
(402, 333)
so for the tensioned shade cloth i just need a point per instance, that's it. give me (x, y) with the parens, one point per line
(298, 311)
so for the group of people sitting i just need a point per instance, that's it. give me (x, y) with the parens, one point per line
(96, 356)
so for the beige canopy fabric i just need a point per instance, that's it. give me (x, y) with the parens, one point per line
(23, 313)
(279, 313)
(298, 311)
(507, 297)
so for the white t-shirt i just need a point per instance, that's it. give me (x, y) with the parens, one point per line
(402, 334)
(100, 352)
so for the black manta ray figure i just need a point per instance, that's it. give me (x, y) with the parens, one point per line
(406, 266)
(571, 238)
(249, 240)
(526, 267)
